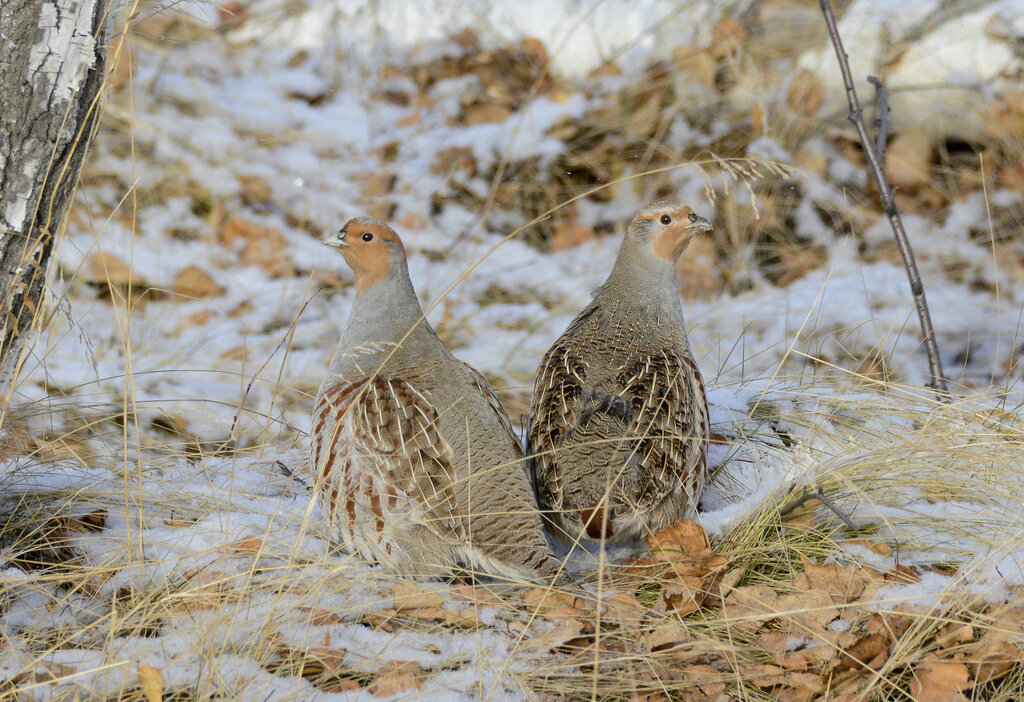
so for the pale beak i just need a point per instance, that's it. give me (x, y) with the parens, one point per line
(699, 223)
(336, 239)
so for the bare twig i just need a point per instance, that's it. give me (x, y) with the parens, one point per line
(875, 161)
(819, 495)
(831, 506)
(883, 118)
(799, 502)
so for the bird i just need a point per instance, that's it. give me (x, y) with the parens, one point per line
(416, 465)
(618, 428)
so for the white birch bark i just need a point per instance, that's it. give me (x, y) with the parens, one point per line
(52, 63)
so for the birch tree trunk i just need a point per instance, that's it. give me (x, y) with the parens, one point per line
(52, 66)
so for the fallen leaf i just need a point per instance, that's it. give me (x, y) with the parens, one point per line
(683, 595)
(805, 94)
(993, 657)
(686, 536)
(709, 680)
(250, 545)
(939, 681)
(762, 674)
(480, 596)
(1006, 117)
(536, 49)
(568, 236)
(565, 613)
(259, 246)
(466, 618)
(408, 596)
(378, 183)
(151, 682)
(903, 574)
(398, 677)
(908, 157)
(842, 584)
(814, 659)
(724, 584)
(381, 620)
(685, 546)
(644, 120)
(433, 614)
(748, 608)
(870, 651)
(811, 159)
(94, 521)
(893, 625)
(697, 273)
(105, 267)
(668, 634)
(255, 188)
(412, 221)
(328, 278)
(697, 63)
(800, 687)
(796, 261)
(807, 613)
(454, 158)
(322, 617)
(542, 599)
(564, 631)
(882, 549)
(729, 37)
(380, 208)
(955, 633)
(484, 113)
(623, 609)
(193, 281)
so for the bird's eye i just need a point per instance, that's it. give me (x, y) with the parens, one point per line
(367, 236)
(665, 219)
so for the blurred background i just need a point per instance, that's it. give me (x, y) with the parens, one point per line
(237, 135)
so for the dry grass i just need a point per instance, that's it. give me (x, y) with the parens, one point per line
(97, 594)
(198, 554)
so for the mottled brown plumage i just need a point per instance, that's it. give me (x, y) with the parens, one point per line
(619, 422)
(416, 464)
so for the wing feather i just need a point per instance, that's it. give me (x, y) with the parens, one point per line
(390, 428)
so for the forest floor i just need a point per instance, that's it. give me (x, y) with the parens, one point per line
(158, 539)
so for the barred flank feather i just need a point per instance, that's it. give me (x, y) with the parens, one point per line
(417, 466)
(619, 426)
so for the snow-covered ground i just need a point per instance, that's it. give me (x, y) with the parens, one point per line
(236, 149)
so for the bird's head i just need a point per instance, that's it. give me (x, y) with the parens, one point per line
(371, 248)
(667, 228)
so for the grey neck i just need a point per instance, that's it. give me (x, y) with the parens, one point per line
(645, 281)
(381, 319)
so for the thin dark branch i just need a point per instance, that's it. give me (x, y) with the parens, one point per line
(883, 118)
(856, 116)
(799, 502)
(819, 495)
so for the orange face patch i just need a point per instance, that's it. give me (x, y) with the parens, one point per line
(367, 253)
(670, 243)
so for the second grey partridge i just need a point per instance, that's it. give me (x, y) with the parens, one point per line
(416, 464)
(618, 430)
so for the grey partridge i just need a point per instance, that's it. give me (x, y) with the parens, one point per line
(417, 466)
(618, 430)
